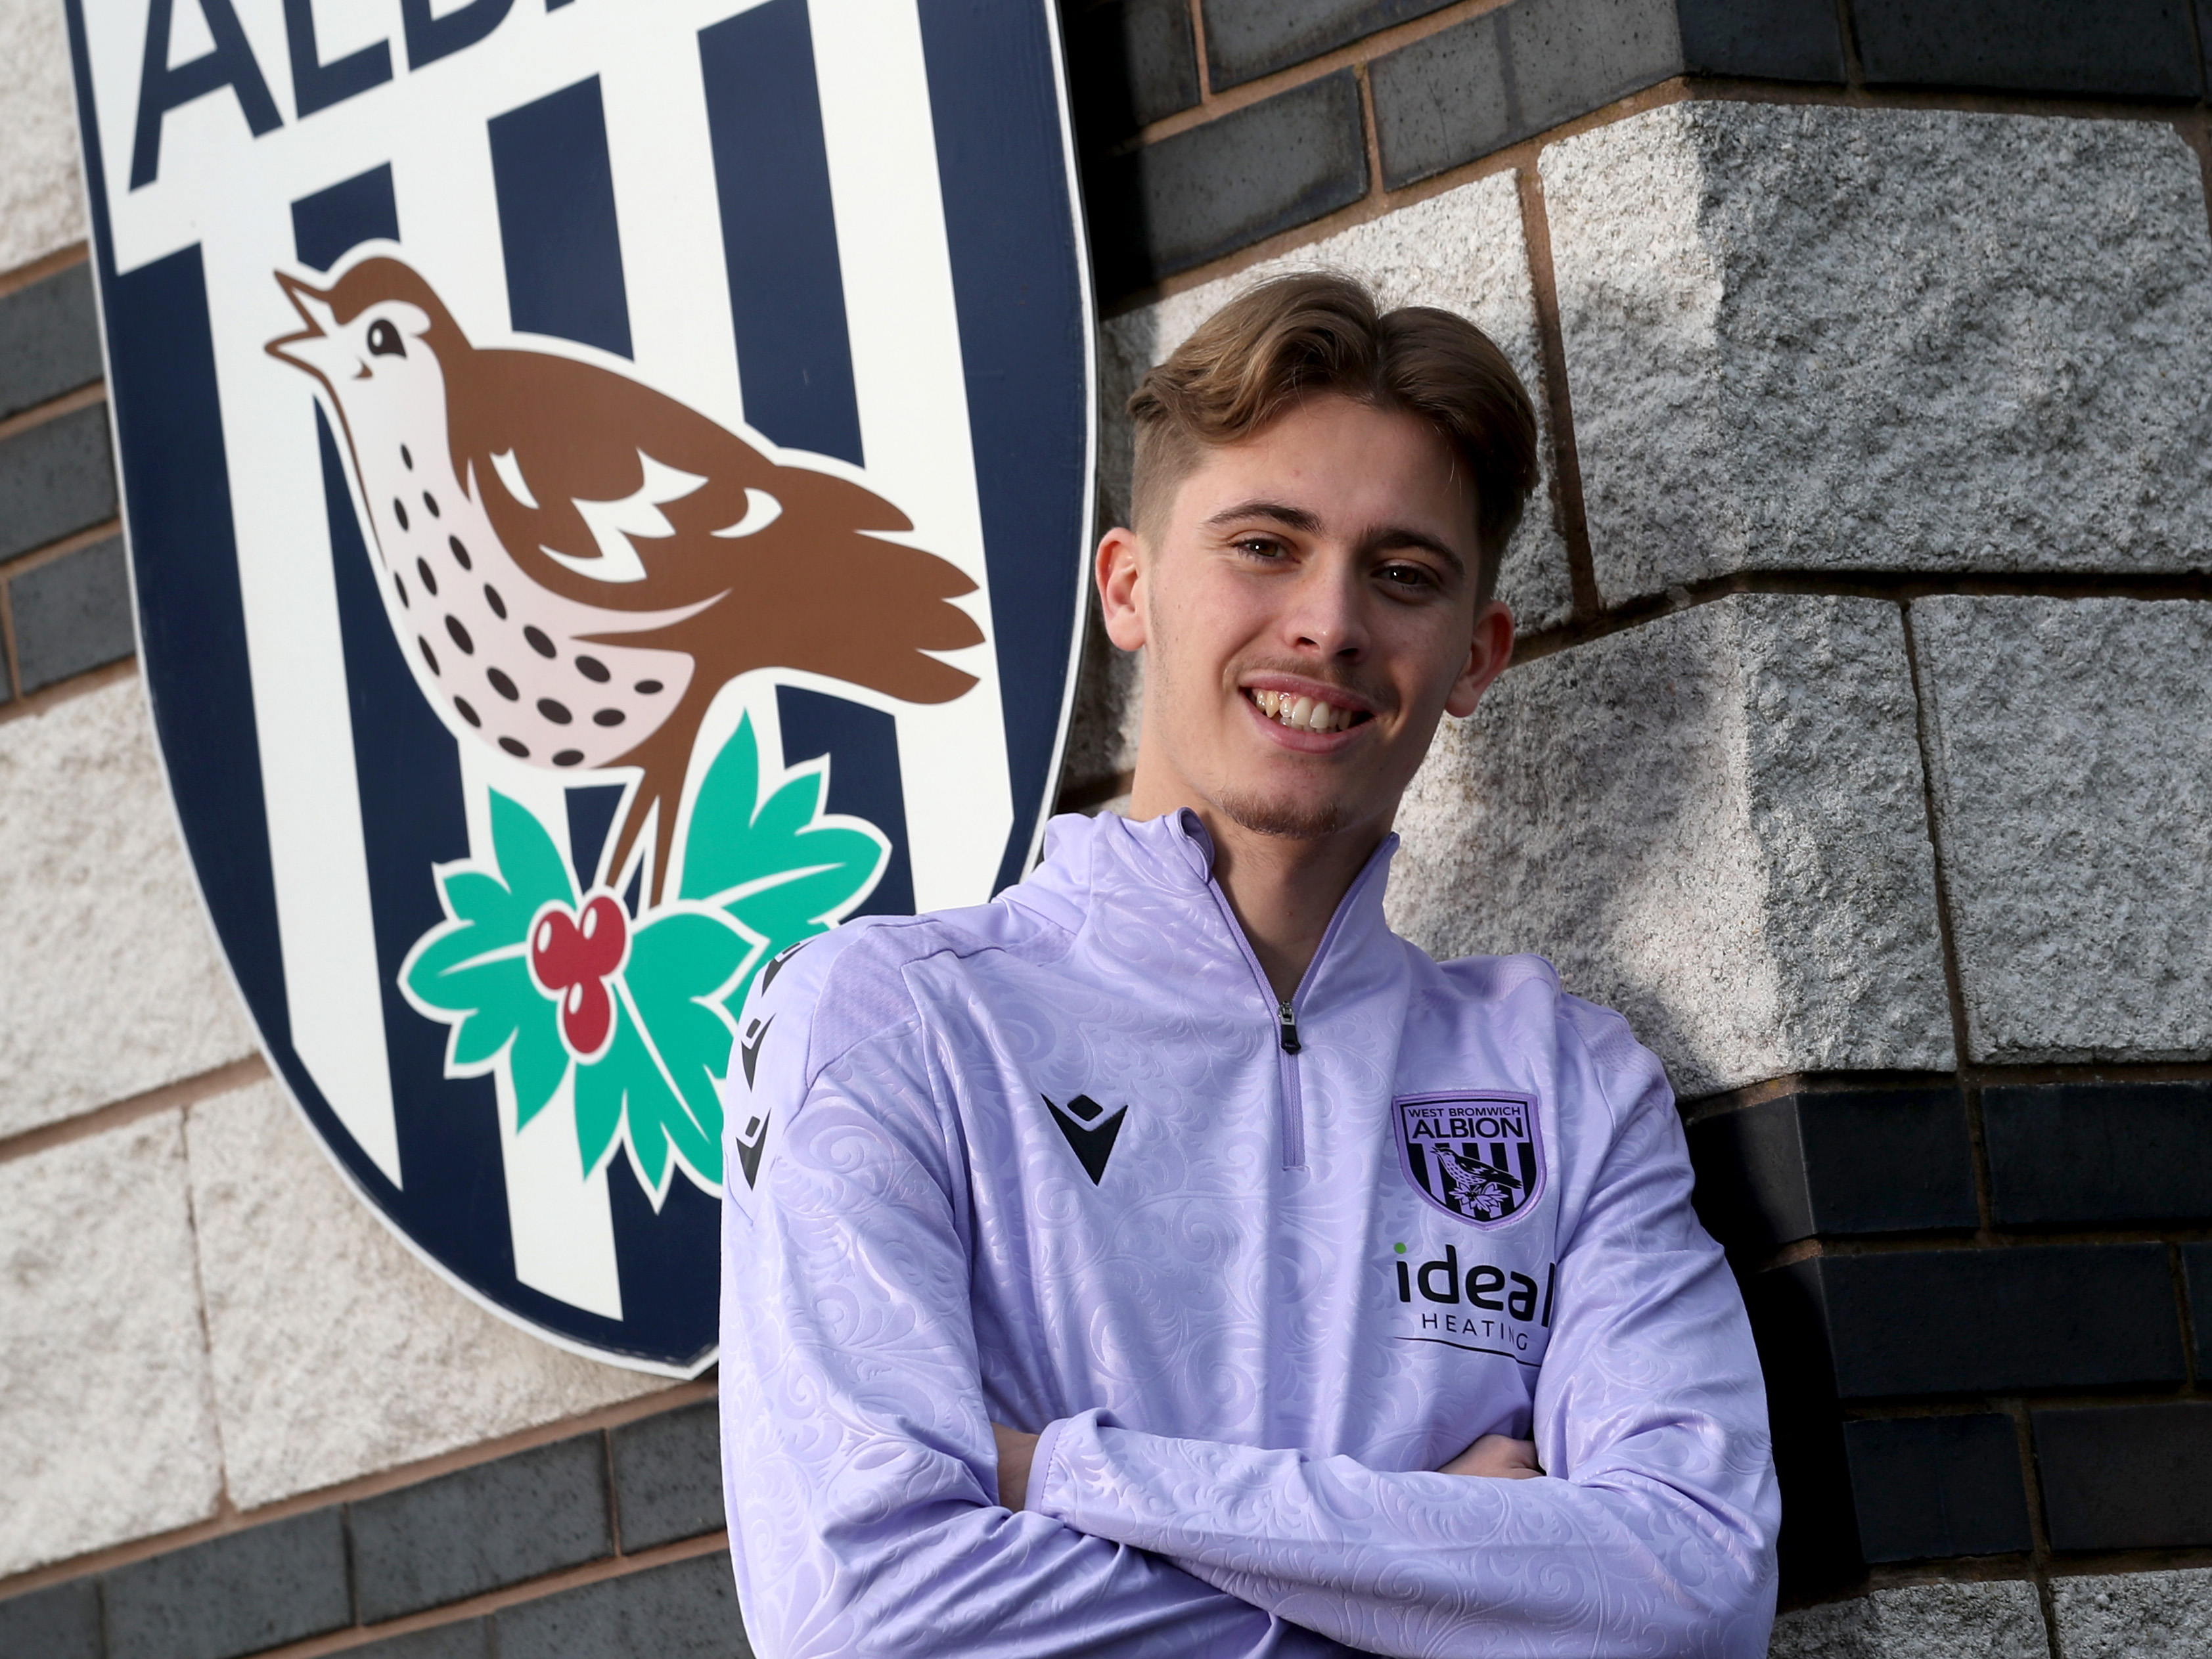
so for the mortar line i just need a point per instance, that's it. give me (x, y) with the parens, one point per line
(1566, 480)
(1370, 136)
(39, 415)
(46, 264)
(100, 1119)
(33, 703)
(61, 547)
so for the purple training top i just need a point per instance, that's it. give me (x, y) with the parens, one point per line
(1254, 1272)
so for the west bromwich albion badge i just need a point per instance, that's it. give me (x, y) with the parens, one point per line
(607, 490)
(1478, 1157)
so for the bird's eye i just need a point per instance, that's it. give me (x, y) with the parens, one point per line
(384, 340)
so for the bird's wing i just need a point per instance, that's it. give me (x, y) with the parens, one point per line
(594, 481)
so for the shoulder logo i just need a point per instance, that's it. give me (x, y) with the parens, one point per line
(1089, 1130)
(775, 965)
(749, 1046)
(1477, 1156)
(752, 1139)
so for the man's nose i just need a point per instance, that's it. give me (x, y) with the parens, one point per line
(1327, 609)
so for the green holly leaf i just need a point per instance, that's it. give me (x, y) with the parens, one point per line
(772, 866)
(472, 971)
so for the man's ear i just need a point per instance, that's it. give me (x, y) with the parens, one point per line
(1488, 652)
(1121, 572)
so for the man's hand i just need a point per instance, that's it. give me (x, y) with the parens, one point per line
(1496, 1457)
(1016, 1448)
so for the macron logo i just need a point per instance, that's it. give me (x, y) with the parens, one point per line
(1088, 1131)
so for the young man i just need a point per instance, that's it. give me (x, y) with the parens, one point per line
(1167, 1259)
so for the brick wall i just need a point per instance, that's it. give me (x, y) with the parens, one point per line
(1857, 747)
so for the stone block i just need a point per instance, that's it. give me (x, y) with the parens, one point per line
(1247, 38)
(41, 197)
(49, 339)
(481, 1528)
(1130, 63)
(60, 1623)
(1713, 823)
(2000, 1620)
(72, 613)
(2070, 754)
(2136, 1615)
(467, 1638)
(1513, 72)
(1806, 338)
(233, 1595)
(56, 478)
(106, 1429)
(335, 1352)
(668, 1476)
(117, 986)
(1269, 167)
(1464, 251)
(687, 1610)
(2114, 48)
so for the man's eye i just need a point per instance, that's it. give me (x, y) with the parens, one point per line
(1409, 575)
(1259, 547)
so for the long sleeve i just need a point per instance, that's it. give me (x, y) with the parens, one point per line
(1652, 1534)
(858, 1458)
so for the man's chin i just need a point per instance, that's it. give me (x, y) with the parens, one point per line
(1289, 816)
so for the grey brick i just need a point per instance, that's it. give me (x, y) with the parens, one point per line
(1130, 63)
(1511, 73)
(2197, 1271)
(49, 340)
(1773, 40)
(479, 1528)
(1925, 1488)
(467, 1638)
(668, 1476)
(1247, 38)
(55, 478)
(685, 1611)
(1224, 186)
(2089, 1152)
(72, 615)
(233, 1595)
(61, 1623)
(2144, 48)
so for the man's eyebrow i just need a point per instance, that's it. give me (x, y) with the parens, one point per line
(1291, 518)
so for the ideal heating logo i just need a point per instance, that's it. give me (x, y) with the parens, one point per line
(1480, 1308)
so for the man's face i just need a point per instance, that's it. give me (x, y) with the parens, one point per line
(1307, 605)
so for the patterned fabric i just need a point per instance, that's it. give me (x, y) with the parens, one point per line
(1051, 1162)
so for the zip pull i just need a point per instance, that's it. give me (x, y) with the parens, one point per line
(1287, 1020)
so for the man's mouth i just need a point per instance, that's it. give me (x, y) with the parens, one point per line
(1304, 714)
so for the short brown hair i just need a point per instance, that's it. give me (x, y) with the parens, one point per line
(1316, 332)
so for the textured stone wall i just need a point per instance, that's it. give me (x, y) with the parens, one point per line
(1857, 747)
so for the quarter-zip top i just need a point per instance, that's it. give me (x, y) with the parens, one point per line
(1030, 1163)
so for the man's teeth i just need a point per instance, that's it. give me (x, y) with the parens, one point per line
(1303, 714)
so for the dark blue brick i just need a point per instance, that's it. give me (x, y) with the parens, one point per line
(1207, 192)
(2196, 1269)
(1930, 1488)
(2125, 48)
(2075, 1152)
(55, 478)
(61, 1623)
(233, 1595)
(480, 1529)
(1771, 40)
(1994, 1321)
(49, 340)
(1247, 38)
(2126, 1477)
(668, 1476)
(468, 1639)
(72, 615)
(687, 1610)
(1834, 1164)
(1512, 73)
(1130, 63)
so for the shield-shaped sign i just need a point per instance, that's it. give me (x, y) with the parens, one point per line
(1477, 1157)
(607, 487)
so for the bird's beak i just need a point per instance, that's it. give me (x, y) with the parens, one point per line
(315, 348)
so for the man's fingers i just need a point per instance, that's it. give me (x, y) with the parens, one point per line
(1498, 1457)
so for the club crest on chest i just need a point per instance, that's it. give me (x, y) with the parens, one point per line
(1476, 1155)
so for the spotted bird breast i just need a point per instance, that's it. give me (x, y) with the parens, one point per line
(503, 658)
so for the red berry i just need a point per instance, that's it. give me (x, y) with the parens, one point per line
(587, 1015)
(558, 955)
(605, 932)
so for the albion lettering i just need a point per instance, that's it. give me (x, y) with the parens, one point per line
(230, 64)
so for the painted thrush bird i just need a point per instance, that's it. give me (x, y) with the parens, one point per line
(581, 563)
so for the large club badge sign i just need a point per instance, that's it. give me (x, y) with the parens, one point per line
(607, 487)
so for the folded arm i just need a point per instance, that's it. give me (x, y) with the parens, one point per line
(1652, 1532)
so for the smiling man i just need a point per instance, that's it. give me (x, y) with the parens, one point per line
(1168, 1259)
